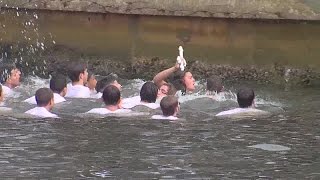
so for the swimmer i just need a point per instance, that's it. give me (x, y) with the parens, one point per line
(112, 98)
(182, 80)
(9, 78)
(245, 98)
(91, 83)
(78, 73)
(169, 107)
(58, 84)
(45, 103)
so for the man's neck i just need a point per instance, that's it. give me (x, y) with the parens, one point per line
(145, 102)
(47, 107)
(9, 85)
(80, 82)
(112, 107)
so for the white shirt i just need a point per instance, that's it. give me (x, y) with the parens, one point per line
(239, 111)
(96, 96)
(107, 111)
(162, 117)
(78, 91)
(150, 105)
(93, 92)
(57, 99)
(7, 92)
(41, 112)
(3, 108)
(129, 103)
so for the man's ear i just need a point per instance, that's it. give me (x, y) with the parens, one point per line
(81, 76)
(52, 102)
(65, 89)
(120, 103)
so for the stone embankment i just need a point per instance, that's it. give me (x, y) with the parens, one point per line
(261, 9)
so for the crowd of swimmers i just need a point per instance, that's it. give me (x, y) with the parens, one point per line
(163, 92)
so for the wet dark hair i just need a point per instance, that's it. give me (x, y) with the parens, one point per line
(0, 89)
(57, 83)
(214, 83)
(168, 105)
(43, 96)
(177, 80)
(149, 92)
(101, 84)
(5, 71)
(111, 95)
(245, 97)
(75, 69)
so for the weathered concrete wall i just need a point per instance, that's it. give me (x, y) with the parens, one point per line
(266, 9)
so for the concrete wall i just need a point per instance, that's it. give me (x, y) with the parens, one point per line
(266, 9)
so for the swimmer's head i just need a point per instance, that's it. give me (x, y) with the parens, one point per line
(92, 81)
(111, 79)
(245, 97)
(10, 75)
(214, 84)
(149, 92)
(44, 98)
(169, 105)
(166, 89)
(78, 72)
(184, 81)
(58, 84)
(111, 95)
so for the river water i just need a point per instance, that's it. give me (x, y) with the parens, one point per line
(284, 145)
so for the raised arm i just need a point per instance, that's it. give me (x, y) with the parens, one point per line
(161, 76)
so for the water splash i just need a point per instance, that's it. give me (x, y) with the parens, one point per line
(28, 52)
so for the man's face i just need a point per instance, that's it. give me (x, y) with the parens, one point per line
(92, 82)
(189, 81)
(85, 76)
(14, 79)
(163, 91)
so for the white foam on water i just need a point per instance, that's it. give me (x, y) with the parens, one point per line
(270, 147)
(32, 84)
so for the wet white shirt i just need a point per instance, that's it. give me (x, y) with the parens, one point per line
(107, 111)
(57, 99)
(96, 96)
(240, 111)
(150, 105)
(3, 108)
(129, 103)
(41, 112)
(93, 92)
(7, 92)
(162, 117)
(78, 91)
